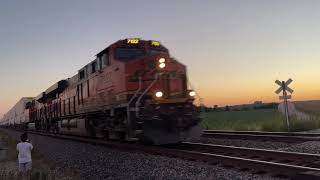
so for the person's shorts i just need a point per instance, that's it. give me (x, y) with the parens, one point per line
(24, 167)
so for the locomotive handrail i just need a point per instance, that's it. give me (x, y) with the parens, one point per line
(145, 91)
(135, 94)
(128, 105)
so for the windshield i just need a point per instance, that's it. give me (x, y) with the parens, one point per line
(153, 51)
(129, 53)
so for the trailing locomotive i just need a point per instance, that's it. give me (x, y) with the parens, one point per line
(133, 90)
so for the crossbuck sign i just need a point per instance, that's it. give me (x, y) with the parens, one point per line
(285, 88)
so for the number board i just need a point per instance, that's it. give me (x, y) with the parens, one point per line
(132, 41)
(155, 43)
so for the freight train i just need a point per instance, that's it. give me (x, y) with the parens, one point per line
(133, 90)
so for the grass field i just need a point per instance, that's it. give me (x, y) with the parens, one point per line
(256, 120)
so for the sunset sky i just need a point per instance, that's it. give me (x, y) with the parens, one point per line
(234, 49)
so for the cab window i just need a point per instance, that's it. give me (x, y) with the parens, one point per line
(100, 63)
(105, 59)
(82, 74)
(93, 67)
(154, 51)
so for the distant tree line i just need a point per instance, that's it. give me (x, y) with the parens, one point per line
(245, 107)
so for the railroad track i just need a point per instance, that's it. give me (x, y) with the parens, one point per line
(275, 163)
(289, 137)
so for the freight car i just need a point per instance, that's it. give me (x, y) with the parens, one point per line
(18, 114)
(132, 90)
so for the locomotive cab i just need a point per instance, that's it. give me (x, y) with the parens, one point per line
(149, 60)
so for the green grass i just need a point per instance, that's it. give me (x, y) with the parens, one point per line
(256, 120)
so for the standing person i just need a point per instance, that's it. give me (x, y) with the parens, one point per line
(24, 149)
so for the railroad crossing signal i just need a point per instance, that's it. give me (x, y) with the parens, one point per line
(284, 88)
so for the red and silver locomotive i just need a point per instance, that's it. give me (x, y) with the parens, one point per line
(133, 90)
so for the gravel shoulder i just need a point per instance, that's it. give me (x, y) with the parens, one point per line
(98, 162)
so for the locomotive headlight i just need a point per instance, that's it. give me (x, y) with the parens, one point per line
(159, 94)
(192, 93)
(162, 65)
(162, 60)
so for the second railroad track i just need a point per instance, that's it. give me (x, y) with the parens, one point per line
(289, 137)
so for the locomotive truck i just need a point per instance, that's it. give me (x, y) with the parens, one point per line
(132, 90)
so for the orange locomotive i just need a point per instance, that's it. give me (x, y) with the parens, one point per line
(133, 90)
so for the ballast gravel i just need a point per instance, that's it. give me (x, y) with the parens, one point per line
(94, 162)
(312, 147)
(247, 143)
